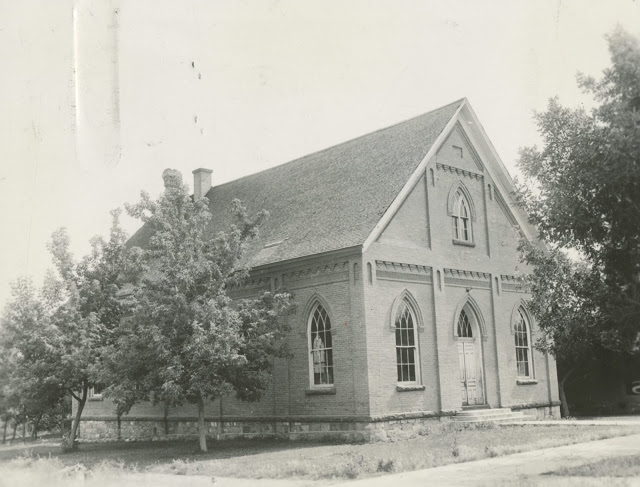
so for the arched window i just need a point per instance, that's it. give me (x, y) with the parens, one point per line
(461, 218)
(406, 344)
(320, 347)
(522, 333)
(464, 326)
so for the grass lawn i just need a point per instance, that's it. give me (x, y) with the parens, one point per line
(628, 466)
(279, 459)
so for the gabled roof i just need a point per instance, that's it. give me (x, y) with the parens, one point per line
(331, 199)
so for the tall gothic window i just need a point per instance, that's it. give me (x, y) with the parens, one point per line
(523, 346)
(406, 345)
(461, 218)
(320, 347)
(464, 326)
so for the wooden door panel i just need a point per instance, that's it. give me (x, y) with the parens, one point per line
(462, 373)
(470, 372)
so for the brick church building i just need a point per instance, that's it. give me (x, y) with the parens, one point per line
(400, 247)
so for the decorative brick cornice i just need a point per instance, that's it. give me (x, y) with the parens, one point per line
(316, 271)
(457, 170)
(250, 288)
(253, 282)
(513, 284)
(457, 277)
(403, 272)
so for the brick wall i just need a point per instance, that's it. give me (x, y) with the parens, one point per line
(421, 235)
(338, 284)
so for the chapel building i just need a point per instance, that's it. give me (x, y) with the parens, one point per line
(400, 247)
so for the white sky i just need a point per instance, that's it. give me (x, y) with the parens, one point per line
(278, 79)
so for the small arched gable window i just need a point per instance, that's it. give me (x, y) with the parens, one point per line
(461, 216)
(320, 348)
(522, 332)
(464, 326)
(406, 344)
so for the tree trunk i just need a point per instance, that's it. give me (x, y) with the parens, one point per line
(219, 429)
(564, 405)
(166, 419)
(36, 423)
(24, 431)
(71, 442)
(4, 432)
(15, 427)
(201, 430)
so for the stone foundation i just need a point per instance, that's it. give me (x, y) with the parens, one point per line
(348, 431)
(539, 411)
(388, 428)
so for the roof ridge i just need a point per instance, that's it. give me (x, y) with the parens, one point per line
(459, 100)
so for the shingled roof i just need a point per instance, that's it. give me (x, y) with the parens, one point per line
(327, 200)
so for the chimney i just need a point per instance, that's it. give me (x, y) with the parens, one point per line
(172, 178)
(201, 183)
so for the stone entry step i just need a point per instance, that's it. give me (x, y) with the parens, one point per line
(490, 415)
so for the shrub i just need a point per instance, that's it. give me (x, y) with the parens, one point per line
(490, 451)
(385, 466)
(179, 467)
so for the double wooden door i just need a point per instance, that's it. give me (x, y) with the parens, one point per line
(470, 374)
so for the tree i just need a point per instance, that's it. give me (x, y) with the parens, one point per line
(186, 340)
(562, 301)
(9, 401)
(583, 194)
(29, 391)
(85, 306)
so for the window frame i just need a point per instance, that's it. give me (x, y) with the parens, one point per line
(325, 350)
(467, 326)
(405, 305)
(523, 320)
(461, 204)
(94, 396)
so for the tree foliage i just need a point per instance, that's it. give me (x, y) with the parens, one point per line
(54, 341)
(583, 194)
(186, 340)
(28, 390)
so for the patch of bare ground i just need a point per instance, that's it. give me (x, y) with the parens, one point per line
(627, 466)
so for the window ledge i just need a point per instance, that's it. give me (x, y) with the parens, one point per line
(526, 382)
(406, 388)
(463, 243)
(319, 391)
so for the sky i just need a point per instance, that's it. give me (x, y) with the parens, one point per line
(94, 107)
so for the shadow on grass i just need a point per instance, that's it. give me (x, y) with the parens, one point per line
(146, 453)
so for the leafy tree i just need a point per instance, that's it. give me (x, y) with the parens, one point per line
(186, 340)
(562, 301)
(29, 392)
(76, 319)
(583, 193)
(9, 401)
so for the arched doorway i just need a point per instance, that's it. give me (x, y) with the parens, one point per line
(468, 338)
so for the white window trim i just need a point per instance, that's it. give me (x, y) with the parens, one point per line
(312, 384)
(457, 218)
(418, 381)
(93, 396)
(527, 327)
